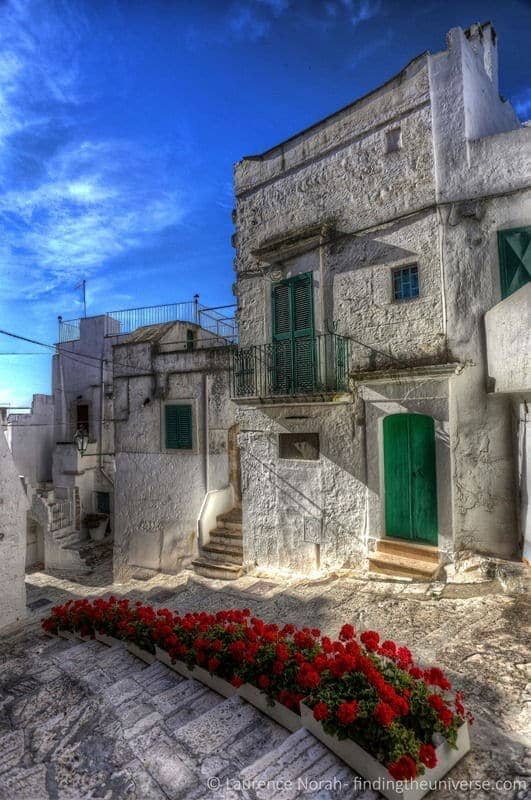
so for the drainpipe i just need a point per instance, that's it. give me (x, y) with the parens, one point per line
(102, 406)
(206, 433)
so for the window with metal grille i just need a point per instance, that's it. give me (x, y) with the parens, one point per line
(406, 283)
(178, 427)
(301, 446)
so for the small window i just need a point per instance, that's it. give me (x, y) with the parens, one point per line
(190, 340)
(82, 417)
(406, 283)
(178, 427)
(103, 503)
(300, 446)
(393, 140)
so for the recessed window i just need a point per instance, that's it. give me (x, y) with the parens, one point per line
(103, 503)
(82, 417)
(406, 283)
(299, 446)
(178, 427)
(190, 340)
(393, 140)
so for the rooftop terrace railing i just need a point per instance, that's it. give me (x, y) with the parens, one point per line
(216, 320)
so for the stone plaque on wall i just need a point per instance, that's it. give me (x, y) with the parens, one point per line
(313, 527)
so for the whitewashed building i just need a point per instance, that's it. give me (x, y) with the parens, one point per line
(177, 494)
(377, 419)
(13, 508)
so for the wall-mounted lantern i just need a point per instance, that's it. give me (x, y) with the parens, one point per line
(81, 439)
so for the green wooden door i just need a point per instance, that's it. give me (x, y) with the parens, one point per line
(514, 247)
(410, 478)
(293, 368)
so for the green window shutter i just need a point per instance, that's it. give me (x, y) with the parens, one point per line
(178, 427)
(293, 344)
(514, 248)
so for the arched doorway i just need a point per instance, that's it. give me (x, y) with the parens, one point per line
(410, 480)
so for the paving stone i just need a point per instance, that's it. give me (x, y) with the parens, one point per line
(185, 702)
(220, 729)
(160, 757)
(294, 764)
(11, 750)
(24, 784)
(158, 678)
(125, 690)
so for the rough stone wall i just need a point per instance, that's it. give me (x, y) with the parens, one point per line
(13, 508)
(158, 492)
(340, 172)
(302, 515)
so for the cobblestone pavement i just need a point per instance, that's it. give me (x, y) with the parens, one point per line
(477, 633)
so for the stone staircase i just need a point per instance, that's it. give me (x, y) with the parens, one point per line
(404, 559)
(222, 557)
(85, 720)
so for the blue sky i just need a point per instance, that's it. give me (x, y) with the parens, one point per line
(120, 121)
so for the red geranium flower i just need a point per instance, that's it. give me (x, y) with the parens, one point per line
(427, 755)
(347, 712)
(320, 711)
(384, 713)
(404, 769)
(347, 632)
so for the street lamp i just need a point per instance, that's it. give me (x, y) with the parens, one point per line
(81, 439)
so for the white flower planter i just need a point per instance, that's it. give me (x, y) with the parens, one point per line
(371, 769)
(139, 652)
(218, 685)
(279, 713)
(177, 666)
(67, 635)
(104, 638)
(83, 638)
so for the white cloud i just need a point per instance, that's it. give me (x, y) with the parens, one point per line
(67, 204)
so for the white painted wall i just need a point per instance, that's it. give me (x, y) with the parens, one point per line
(31, 440)
(159, 493)
(508, 331)
(438, 202)
(13, 507)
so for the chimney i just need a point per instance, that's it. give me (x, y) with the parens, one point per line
(482, 39)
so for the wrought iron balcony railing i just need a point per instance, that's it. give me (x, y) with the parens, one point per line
(309, 365)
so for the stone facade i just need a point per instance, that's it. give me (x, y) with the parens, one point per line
(159, 491)
(423, 171)
(13, 507)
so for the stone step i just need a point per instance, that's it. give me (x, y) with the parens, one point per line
(187, 700)
(227, 533)
(294, 764)
(231, 519)
(421, 552)
(401, 566)
(222, 554)
(233, 729)
(216, 570)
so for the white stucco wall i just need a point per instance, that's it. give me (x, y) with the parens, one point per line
(158, 493)
(333, 201)
(13, 507)
(31, 439)
(508, 331)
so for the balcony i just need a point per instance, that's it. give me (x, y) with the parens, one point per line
(309, 366)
